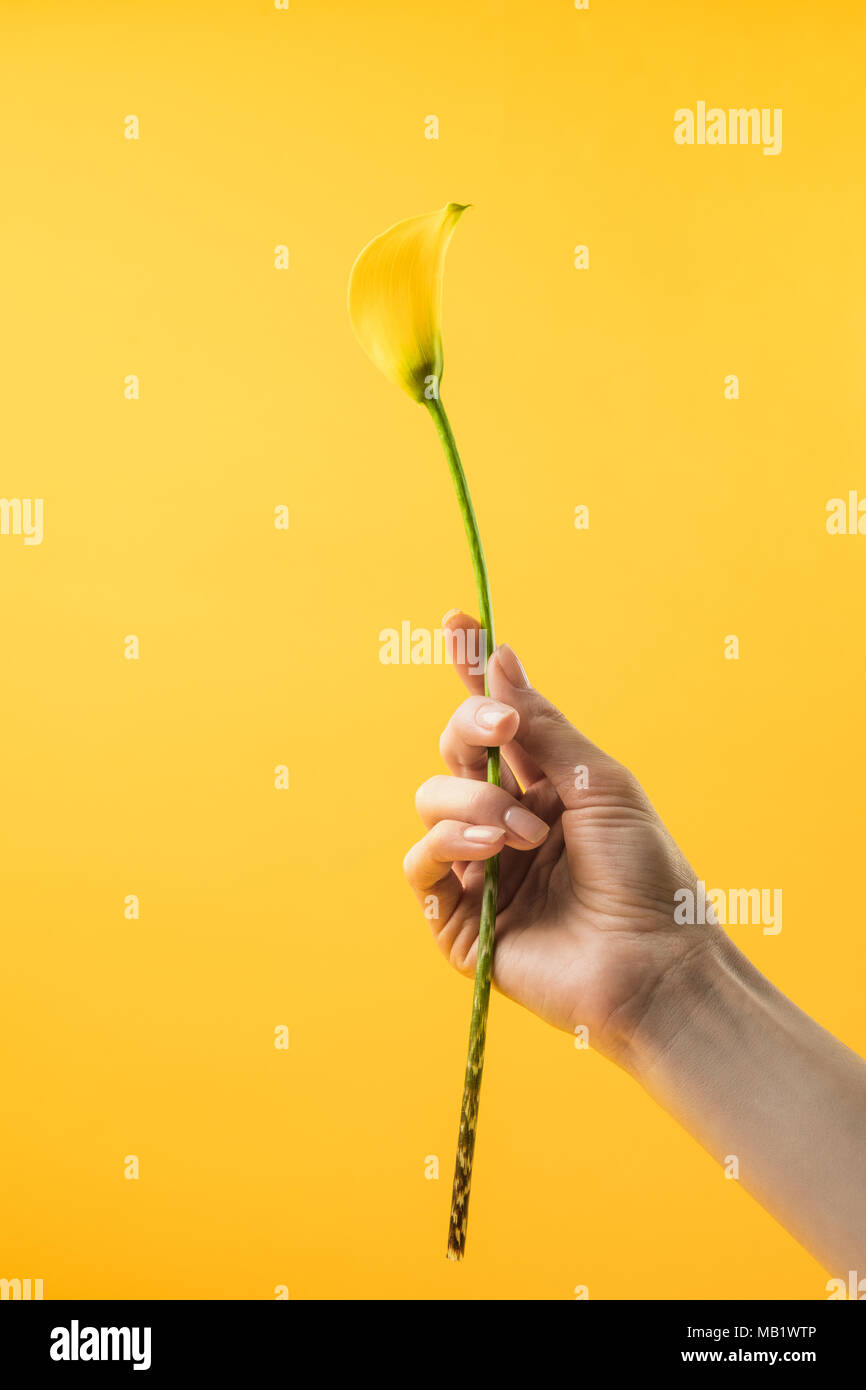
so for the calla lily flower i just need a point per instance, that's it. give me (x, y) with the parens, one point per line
(395, 305)
(395, 299)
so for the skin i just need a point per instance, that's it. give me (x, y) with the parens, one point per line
(585, 936)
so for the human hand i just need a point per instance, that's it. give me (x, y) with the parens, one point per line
(585, 930)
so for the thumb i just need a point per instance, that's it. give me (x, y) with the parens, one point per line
(567, 757)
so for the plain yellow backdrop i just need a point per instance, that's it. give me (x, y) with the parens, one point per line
(155, 777)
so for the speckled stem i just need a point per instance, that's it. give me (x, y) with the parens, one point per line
(484, 967)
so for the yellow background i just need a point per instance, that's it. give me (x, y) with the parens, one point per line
(604, 387)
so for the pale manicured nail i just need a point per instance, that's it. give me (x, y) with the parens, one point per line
(452, 613)
(482, 834)
(491, 715)
(511, 668)
(525, 824)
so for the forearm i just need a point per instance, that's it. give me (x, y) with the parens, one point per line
(750, 1075)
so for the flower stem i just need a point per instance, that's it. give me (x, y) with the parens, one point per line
(484, 967)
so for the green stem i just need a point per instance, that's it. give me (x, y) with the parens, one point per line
(484, 967)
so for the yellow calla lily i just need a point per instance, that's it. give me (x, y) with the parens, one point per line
(395, 299)
(395, 306)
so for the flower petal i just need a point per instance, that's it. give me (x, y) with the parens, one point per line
(395, 298)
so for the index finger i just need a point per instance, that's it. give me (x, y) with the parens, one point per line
(465, 641)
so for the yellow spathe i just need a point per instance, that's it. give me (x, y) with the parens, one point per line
(395, 299)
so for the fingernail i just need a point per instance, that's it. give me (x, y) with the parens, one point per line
(482, 834)
(452, 613)
(511, 668)
(525, 824)
(489, 716)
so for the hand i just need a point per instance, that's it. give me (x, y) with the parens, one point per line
(585, 934)
(585, 930)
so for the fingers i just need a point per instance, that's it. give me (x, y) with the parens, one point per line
(456, 799)
(545, 745)
(475, 726)
(466, 642)
(429, 864)
(578, 769)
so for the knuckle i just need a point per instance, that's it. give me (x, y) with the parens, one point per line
(618, 777)
(466, 712)
(481, 799)
(624, 782)
(426, 792)
(542, 709)
(461, 948)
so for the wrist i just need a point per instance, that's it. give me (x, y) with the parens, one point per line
(691, 996)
